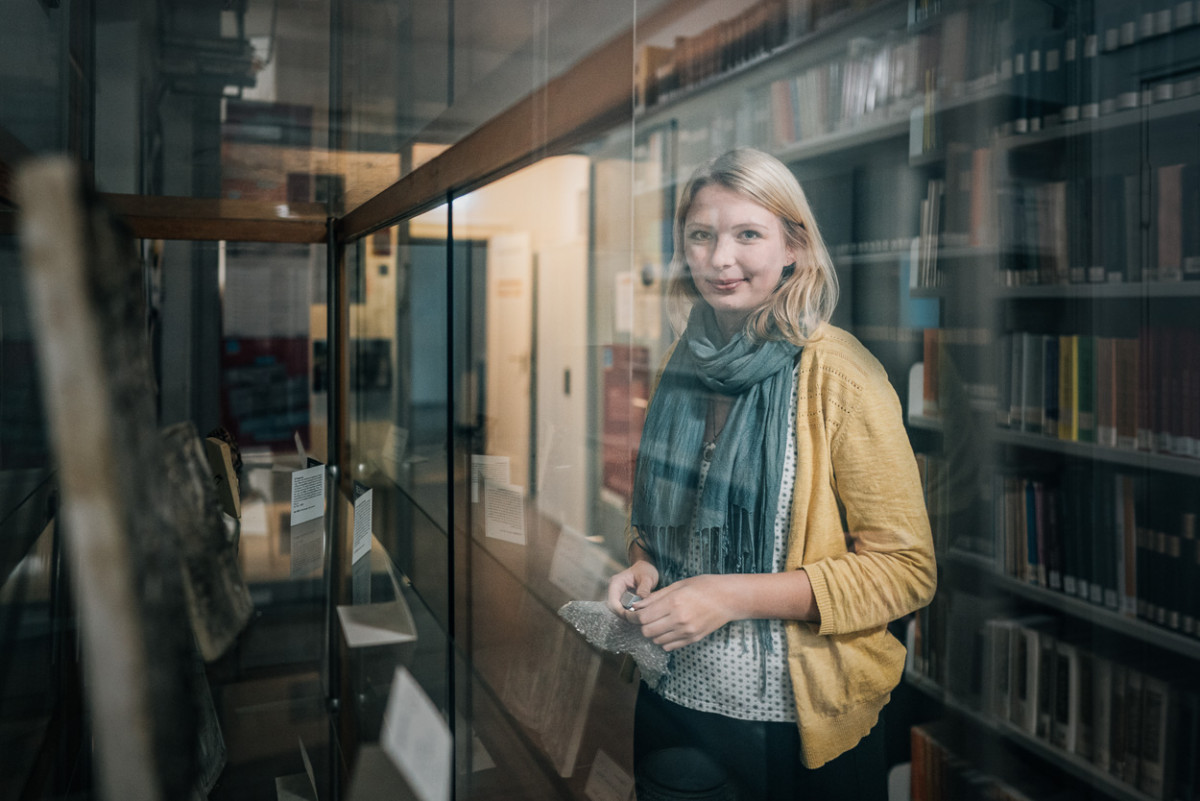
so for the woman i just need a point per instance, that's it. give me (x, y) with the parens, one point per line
(778, 522)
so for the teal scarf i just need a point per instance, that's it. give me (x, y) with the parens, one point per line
(735, 515)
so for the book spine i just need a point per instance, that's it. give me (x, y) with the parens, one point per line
(1032, 391)
(1086, 720)
(1065, 732)
(1127, 544)
(1032, 548)
(1085, 394)
(1189, 573)
(1102, 717)
(1126, 386)
(1049, 407)
(1068, 387)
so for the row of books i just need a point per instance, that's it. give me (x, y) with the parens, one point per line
(1065, 76)
(1126, 392)
(663, 72)
(1134, 722)
(1102, 537)
(871, 79)
(764, 26)
(942, 772)
(1109, 228)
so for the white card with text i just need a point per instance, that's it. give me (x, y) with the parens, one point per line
(416, 738)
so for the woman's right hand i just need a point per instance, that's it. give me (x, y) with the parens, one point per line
(641, 578)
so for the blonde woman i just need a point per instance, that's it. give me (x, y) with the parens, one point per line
(778, 523)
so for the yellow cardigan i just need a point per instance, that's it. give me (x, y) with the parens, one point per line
(860, 529)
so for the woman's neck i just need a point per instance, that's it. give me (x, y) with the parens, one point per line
(730, 326)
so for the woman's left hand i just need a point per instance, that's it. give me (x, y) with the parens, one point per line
(684, 612)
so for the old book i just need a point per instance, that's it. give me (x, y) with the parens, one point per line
(224, 476)
(218, 600)
(121, 519)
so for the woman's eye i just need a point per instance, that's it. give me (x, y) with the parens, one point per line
(698, 236)
(751, 235)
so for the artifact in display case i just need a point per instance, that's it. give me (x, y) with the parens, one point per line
(144, 539)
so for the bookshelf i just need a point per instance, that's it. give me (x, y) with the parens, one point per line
(988, 139)
(974, 197)
(1069, 763)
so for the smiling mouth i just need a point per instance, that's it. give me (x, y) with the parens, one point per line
(725, 286)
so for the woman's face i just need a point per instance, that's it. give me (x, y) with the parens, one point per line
(736, 251)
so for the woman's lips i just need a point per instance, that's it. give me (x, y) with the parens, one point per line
(725, 285)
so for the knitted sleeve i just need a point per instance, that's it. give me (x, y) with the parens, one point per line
(888, 568)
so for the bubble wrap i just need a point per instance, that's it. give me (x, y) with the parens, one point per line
(600, 626)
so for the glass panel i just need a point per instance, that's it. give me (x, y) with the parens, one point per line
(28, 691)
(34, 92)
(271, 397)
(400, 413)
(416, 78)
(533, 542)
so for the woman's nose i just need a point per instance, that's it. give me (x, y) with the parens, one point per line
(723, 254)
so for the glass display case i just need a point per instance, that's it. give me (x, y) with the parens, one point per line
(424, 249)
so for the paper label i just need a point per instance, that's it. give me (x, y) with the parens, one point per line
(394, 446)
(307, 547)
(487, 468)
(417, 739)
(362, 525)
(504, 512)
(308, 494)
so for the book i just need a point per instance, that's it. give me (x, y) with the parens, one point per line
(1050, 389)
(1157, 754)
(1134, 696)
(1102, 714)
(1068, 387)
(1189, 211)
(998, 633)
(929, 392)
(1169, 222)
(1034, 572)
(1067, 697)
(1084, 353)
(1026, 668)
(1189, 573)
(1149, 367)
(1185, 778)
(1032, 381)
(1016, 373)
(1070, 69)
(1106, 393)
(1126, 389)
(1125, 542)
(1085, 720)
(1118, 690)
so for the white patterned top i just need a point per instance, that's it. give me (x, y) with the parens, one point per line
(725, 672)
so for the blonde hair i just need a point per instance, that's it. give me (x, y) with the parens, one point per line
(808, 292)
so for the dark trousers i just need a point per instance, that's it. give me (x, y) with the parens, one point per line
(762, 757)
